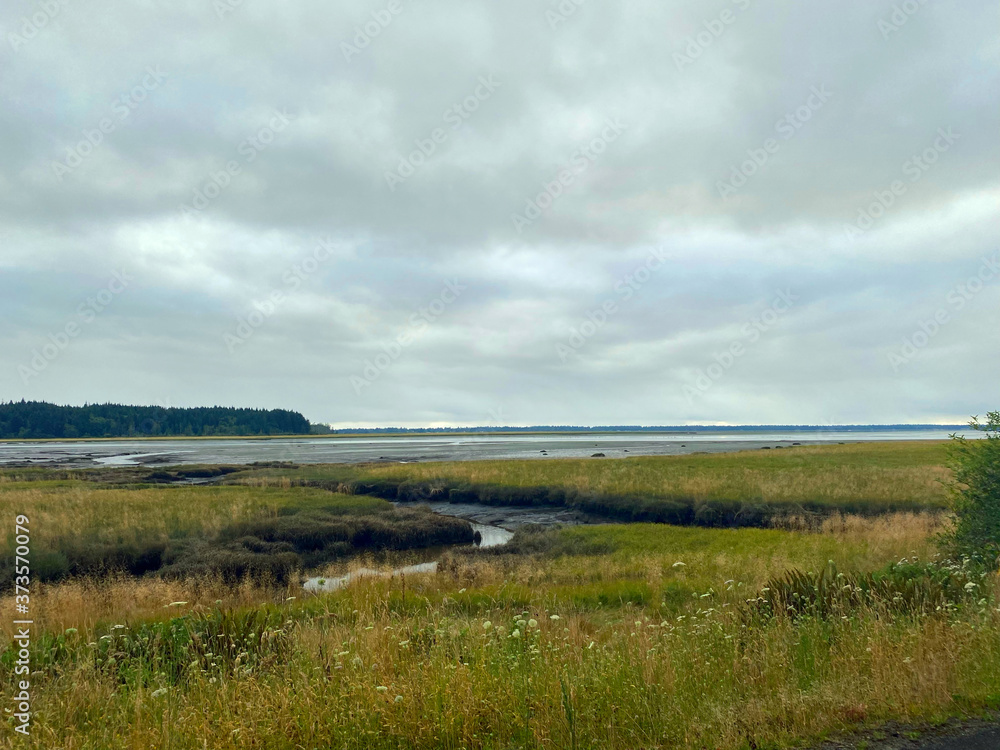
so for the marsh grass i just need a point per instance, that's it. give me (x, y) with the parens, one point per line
(747, 488)
(610, 636)
(82, 528)
(531, 651)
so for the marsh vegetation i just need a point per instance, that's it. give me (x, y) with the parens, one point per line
(83, 527)
(611, 636)
(749, 488)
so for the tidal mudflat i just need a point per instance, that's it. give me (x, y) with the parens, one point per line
(407, 448)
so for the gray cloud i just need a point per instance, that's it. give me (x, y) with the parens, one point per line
(276, 135)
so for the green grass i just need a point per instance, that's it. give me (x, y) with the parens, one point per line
(685, 562)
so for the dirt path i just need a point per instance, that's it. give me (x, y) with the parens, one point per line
(969, 735)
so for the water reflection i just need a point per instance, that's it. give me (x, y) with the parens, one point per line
(321, 583)
(489, 536)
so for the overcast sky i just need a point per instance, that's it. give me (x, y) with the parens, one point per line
(449, 213)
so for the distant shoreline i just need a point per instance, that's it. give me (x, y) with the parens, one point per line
(506, 432)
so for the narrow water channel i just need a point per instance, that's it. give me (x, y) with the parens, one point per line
(489, 536)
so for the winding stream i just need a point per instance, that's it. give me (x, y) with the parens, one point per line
(490, 536)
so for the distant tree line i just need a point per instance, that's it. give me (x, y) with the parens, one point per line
(38, 419)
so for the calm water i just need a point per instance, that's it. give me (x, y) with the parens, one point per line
(491, 537)
(333, 583)
(415, 448)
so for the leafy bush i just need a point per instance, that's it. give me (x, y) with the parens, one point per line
(976, 492)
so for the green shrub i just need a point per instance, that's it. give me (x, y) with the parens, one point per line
(976, 493)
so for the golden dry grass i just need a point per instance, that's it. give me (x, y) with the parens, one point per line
(85, 603)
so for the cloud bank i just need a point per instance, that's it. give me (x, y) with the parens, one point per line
(402, 213)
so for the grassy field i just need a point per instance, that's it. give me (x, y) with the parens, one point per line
(723, 489)
(81, 526)
(613, 636)
(643, 637)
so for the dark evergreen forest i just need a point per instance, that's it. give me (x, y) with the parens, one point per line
(38, 419)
